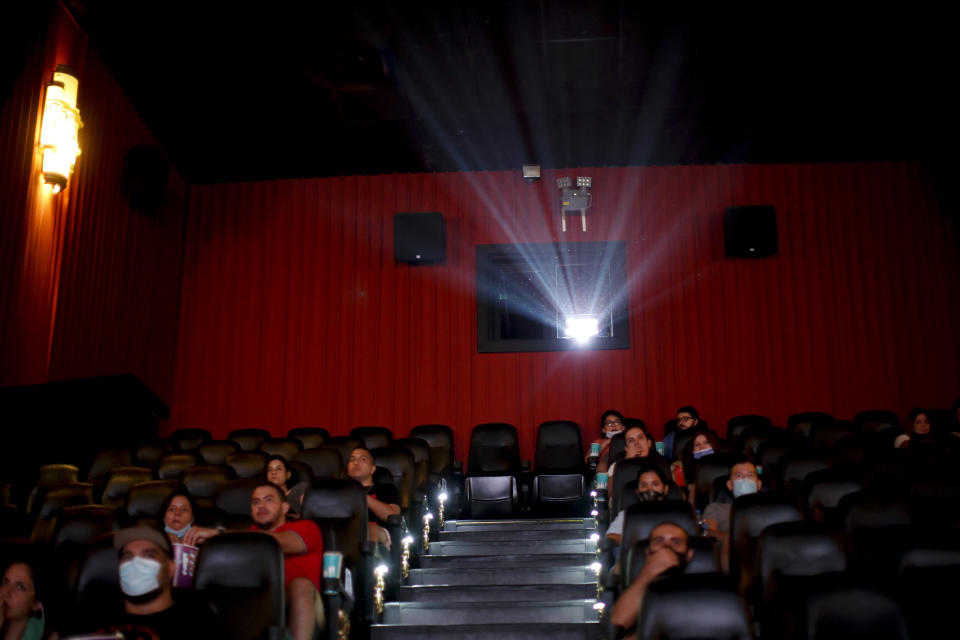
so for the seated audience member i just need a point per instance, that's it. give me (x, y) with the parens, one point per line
(146, 575)
(611, 423)
(383, 499)
(668, 548)
(639, 445)
(178, 514)
(687, 418)
(743, 480)
(703, 444)
(278, 472)
(22, 597)
(302, 546)
(652, 485)
(918, 428)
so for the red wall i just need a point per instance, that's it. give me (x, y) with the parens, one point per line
(87, 286)
(293, 312)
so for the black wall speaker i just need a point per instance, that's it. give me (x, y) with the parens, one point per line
(750, 232)
(419, 238)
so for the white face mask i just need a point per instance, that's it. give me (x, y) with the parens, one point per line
(178, 532)
(610, 434)
(744, 486)
(139, 576)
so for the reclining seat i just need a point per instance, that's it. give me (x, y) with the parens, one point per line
(189, 439)
(373, 437)
(325, 463)
(104, 462)
(286, 447)
(203, 481)
(339, 507)
(752, 514)
(343, 444)
(558, 484)
(232, 502)
(171, 465)
(248, 439)
(854, 613)
(704, 605)
(216, 451)
(247, 464)
(145, 500)
(641, 518)
(241, 575)
(494, 463)
(444, 468)
(801, 426)
(309, 437)
(120, 481)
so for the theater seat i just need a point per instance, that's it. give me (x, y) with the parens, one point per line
(105, 461)
(50, 475)
(248, 439)
(854, 613)
(824, 490)
(878, 529)
(445, 469)
(203, 481)
(399, 462)
(494, 463)
(55, 499)
(309, 437)
(625, 479)
(247, 464)
(147, 455)
(706, 558)
(705, 605)
(97, 593)
(738, 424)
(794, 469)
(216, 451)
(343, 444)
(119, 482)
(76, 528)
(232, 501)
(558, 483)
(189, 439)
(241, 575)
(641, 518)
(373, 437)
(171, 465)
(286, 447)
(751, 514)
(925, 589)
(325, 463)
(800, 426)
(145, 500)
(707, 470)
(420, 451)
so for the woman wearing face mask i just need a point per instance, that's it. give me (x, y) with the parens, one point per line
(178, 511)
(22, 613)
(703, 444)
(611, 424)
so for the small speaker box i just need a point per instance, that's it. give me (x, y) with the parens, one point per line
(750, 232)
(419, 238)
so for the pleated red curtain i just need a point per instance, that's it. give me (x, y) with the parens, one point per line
(88, 286)
(294, 313)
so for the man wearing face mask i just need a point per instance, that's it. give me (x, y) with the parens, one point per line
(652, 485)
(744, 480)
(146, 575)
(668, 550)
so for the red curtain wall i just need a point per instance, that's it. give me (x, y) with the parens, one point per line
(88, 286)
(293, 312)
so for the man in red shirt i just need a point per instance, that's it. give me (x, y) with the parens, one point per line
(302, 546)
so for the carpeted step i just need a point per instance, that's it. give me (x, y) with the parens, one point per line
(586, 524)
(506, 575)
(526, 547)
(538, 631)
(498, 592)
(508, 560)
(576, 611)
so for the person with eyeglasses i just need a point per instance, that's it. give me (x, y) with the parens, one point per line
(611, 424)
(687, 418)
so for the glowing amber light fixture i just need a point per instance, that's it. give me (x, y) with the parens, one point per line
(61, 124)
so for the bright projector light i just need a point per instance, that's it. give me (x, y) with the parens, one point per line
(581, 328)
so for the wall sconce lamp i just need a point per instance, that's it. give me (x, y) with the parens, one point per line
(58, 132)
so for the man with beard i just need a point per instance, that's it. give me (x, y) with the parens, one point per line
(302, 546)
(146, 578)
(668, 548)
(652, 485)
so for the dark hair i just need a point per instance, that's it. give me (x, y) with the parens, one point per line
(267, 483)
(648, 467)
(913, 415)
(181, 491)
(741, 460)
(637, 423)
(611, 412)
(370, 453)
(692, 410)
(42, 577)
(689, 462)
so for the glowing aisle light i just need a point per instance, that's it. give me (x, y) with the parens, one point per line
(58, 132)
(581, 328)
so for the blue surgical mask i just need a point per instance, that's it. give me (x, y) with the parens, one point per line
(139, 576)
(610, 434)
(178, 532)
(744, 486)
(705, 452)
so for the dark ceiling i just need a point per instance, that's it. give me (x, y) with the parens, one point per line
(244, 92)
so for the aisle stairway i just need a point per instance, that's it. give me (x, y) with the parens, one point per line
(500, 580)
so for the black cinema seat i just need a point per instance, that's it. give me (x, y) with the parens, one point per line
(420, 450)
(286, 447)
(494, 464)
(738, 424)
(105, 461)
(325, 463)
(241, 575)
(216, 451)
(343, 444)
(704, 605)
(248, 439)
(800, 426)
(204, 480)
(171, 465)
(558, 483)
(854, 613)
(189, 439)
(751, 514)
(119, 482)
(373, 437)
(145, 500)
(309, 437)
(55, 499)
(232, 501)
(247, 464)
(147, 455)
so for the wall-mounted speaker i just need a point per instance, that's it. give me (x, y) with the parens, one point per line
(750, 232)
(419, 238)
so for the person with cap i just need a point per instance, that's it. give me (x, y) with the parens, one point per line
(146, 579)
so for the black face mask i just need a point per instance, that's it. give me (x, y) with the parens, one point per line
(650, 496)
